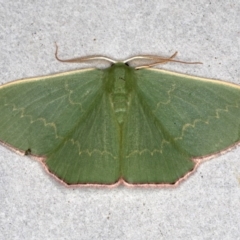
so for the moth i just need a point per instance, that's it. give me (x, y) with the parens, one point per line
(122, 124)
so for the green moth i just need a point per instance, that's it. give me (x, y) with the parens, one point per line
(135, 125)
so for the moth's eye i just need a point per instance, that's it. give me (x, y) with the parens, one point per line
(127, 64)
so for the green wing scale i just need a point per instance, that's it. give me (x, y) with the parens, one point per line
(67, 119)
(120, 124)
(175, 118)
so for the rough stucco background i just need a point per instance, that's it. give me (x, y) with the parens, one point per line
(33, 205)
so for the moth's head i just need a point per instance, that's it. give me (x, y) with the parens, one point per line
(120, 71)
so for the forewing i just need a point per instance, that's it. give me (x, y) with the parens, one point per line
(174, 118)
(63, 118)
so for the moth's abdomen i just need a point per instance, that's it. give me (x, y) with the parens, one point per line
(120, 105)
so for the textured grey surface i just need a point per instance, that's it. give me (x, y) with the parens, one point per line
(33, 205)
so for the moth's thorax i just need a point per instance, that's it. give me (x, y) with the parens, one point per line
(120, 83)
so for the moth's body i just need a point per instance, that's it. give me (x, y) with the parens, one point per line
(120, 81)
